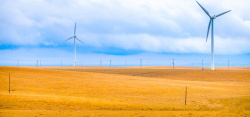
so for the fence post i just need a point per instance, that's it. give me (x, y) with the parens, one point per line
(9, 82)
(186, 96)
(173, 63)
(110, 65)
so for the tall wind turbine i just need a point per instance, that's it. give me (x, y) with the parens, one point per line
(74, 43)
(211, 23)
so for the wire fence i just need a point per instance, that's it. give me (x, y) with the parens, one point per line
(123, 63)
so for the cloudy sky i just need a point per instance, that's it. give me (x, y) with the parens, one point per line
(156, 31)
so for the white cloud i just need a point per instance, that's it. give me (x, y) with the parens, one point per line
(155, 26)
(168, 44)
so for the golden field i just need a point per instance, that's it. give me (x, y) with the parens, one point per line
(99, 91)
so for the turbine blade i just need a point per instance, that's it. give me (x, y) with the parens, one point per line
(68, 39)
(223, 13)
(208, 29)
(80, 40)
(204, 9)
(75, 29)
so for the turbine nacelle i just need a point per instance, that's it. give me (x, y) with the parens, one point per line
(214, 17)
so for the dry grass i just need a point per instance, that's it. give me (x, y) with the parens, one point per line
(124, 92)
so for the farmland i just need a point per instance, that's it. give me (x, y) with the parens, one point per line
(94, 91)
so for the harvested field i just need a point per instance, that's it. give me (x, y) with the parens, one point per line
(94, 91)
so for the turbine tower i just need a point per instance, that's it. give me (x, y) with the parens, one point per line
(211, 23)
(74, 43)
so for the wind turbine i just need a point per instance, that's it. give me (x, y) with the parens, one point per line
(211, 23)
(74, 43)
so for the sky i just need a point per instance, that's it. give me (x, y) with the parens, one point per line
(124, 31)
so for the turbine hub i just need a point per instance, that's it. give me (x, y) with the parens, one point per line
(214, 17)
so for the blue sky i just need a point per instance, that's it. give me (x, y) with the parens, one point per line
(123, 30)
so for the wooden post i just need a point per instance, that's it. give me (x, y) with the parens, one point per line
(100, 64)
(173, 63)
(148, 64)
(9, 82)
(140, 63)
(110, 65)
(186, 96)
(202, 65)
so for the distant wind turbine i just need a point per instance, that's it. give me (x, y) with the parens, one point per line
(211, 22)
(74, 43)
